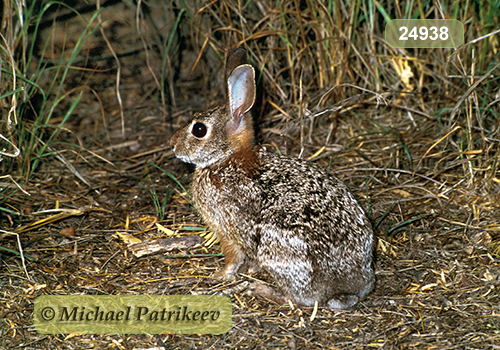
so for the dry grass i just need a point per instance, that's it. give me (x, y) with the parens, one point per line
(414, 134)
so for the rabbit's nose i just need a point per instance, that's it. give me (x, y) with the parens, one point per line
(173, 145)
(172, 142)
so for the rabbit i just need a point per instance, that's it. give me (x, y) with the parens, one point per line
(285, 215)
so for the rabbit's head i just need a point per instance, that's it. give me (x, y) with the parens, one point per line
(212, 136)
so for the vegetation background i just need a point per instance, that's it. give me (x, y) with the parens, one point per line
(91, 91)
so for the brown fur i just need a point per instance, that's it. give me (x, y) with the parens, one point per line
(246, 160)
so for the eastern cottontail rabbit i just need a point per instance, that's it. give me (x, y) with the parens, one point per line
(287, 215)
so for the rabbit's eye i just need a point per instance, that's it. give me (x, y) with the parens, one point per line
(199, 130)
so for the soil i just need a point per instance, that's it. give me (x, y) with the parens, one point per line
(437, 273)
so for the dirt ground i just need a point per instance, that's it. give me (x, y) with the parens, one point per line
(436, 265)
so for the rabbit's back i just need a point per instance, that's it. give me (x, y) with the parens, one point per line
(324, 225)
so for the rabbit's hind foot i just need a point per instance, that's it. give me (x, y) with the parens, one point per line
(343, 302)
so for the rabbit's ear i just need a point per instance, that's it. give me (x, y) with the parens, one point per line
(241, 90)
(236, 58)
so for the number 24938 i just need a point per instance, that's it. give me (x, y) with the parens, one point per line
(422, 33)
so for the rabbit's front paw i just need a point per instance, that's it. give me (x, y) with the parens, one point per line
(234, 259)
(228, 273)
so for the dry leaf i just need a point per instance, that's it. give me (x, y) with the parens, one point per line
(68, 231)
(128, 239)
